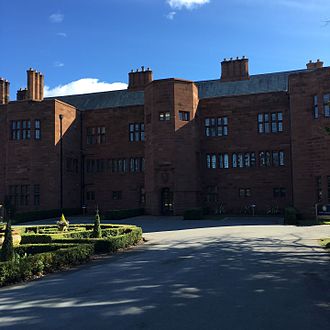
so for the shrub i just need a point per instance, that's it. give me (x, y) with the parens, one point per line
(122, 214)
(25, 267)
(97, 233)
(40, 215)
(7, 249)
(193, 214)
(290, 216)
(62, 224)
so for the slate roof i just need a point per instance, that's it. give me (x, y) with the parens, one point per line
(113, 99)
(262, 83)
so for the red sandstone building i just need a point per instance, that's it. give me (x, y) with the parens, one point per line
(170, 145)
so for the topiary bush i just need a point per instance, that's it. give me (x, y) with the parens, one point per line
(97, 232)
(7, 249)
(290, 216)
(62, 224)
(193, 214)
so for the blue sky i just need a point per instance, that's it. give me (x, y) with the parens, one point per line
(102, 40)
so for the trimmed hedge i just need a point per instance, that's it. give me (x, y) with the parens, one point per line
(23, 268)
(40, 215)
(122, 214)
(30, 234)
(193, 214)
(110, 244)
(290, 216)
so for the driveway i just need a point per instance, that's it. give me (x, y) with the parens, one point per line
(188, 275)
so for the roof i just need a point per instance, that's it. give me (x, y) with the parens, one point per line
(262, 83)
(113, 99)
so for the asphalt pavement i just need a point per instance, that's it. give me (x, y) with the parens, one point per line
(230, 274)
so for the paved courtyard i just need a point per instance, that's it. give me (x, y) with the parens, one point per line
(249, 273)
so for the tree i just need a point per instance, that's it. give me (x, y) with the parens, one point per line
(7, 250)
(97, 233)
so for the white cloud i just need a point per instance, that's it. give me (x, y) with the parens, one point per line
(171, 15)
(58, 64)
(188, 4)
(61, 34)
(82, 86)
(56, 18)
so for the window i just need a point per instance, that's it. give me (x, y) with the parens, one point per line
(136, 132)
(19, 195)
(96, 135)
(223, 161)
(164, 116)
(36, 195)
(279, 192)
(116, 195)
(211, 161)
(100, 165)
(211, 194)
(90, 165)
(318, 189)
(216, 126)
(136, 164)
(316, 107)
(20, 130)
(24, 197)
(274, 158)
(244, 192)
(90, 196)
(234, 160)
(37, 129)
(184, 115)
(270, 122)
(26, 129)
(117, 165)
(326, 105)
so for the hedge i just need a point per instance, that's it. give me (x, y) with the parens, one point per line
(110, 244)
(23, 268)
(193, 214)
(290, 216)
(122, 214)
(47, 214)
(76, 231)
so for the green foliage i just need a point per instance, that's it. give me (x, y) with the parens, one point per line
(40, 215)
(25, 267)
(97, 233)
(193, 214)
(62, 224)
(290, 216)
(7, 249)
(122, 214)
(327, 129)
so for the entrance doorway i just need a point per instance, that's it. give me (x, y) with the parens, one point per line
(166, 201)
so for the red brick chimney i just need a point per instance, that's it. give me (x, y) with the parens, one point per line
(35, 85)
(233, 70)
(4, 91)
(314, 65)
(139, 79)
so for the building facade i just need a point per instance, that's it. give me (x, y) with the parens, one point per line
(170, 145)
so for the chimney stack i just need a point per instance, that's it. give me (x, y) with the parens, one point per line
(234, 70)
(314, 65)
(4, 91)
(35, 85)
(139, 79)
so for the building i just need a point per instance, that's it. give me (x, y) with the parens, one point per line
(172, 144)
